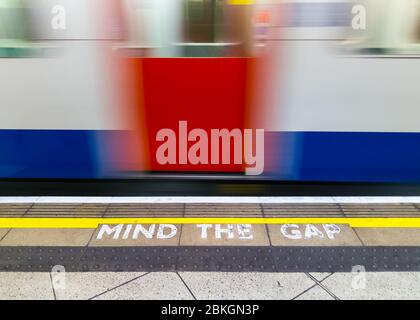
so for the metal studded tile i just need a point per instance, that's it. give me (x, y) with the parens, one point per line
(344, 259)
(129, 259)
(380, 210)
(214, 259)
(67, 210)
(302, 210)
(145, 210)
(37, 259)
(209, 209)
(225, 259)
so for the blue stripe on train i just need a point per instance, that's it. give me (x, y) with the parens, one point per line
(347, 156)
(307, 156)
(48, 154)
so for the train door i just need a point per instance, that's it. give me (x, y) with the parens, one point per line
(195, 65)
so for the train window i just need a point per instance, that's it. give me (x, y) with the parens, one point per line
(152, 27)
(13, 31)
(203, 21)
(203, 27)
(215, 28)
(192, 28)
(392, 28)
(417, 29)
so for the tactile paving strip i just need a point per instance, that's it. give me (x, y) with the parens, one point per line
(39, 259)
(129, 259)
(380, 210)
(233, 259)
(303, 209)
(209, 210)
(225, 259)
(343, 259)
(66, 210)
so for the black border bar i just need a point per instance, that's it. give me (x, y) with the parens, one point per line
(198, 187)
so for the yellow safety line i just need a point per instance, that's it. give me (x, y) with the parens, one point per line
(92, 223)
(241, 2)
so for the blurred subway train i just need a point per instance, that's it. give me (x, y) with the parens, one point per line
(105, 88)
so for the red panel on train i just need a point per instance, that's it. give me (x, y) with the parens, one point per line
(208, 93)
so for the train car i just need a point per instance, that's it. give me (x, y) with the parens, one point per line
(271, 90)
(349, 91)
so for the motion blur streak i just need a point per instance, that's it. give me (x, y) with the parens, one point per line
(85, 85)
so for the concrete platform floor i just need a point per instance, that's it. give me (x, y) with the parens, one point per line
(396, 249)
(208, 285)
